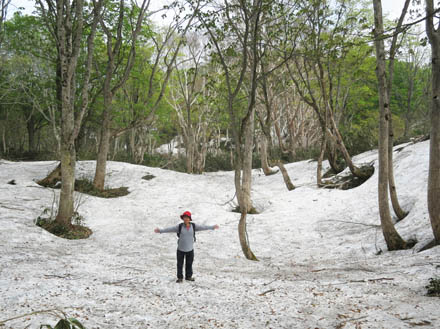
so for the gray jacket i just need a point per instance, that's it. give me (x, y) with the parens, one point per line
(186, 240)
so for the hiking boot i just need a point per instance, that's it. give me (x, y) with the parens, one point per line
(179, 280)
(189, 279)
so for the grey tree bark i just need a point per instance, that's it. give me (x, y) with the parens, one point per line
(433, 33)
(400, 213)
(67, 30)
(242, 127)
(392, 237)
(264, 157)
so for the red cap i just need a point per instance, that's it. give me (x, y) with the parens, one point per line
(186, 213)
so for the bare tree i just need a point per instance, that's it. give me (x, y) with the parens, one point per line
(113, 82)
(65, 20)
(189, 97)
(243, 19)
(433, 32)
(392, 237)
(318, 68)
(400, 213)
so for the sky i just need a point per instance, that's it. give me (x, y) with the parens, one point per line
(323, 262)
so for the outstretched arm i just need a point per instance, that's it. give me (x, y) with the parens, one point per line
(172, 229)
(206, 227)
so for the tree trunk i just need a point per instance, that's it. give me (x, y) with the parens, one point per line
(320, 159)
(30, 126)
(358, 172)
(246, 181)
(190, 146)
(286, 177)
(409, 97)
(400, 213)
(66, 209)
(283, 149)
(332, 156)
(132, 144)
(392, 186)
(104, 145)
(434, 152)
(263, 155)
(5, 150)
(67, 152)
(200, 156)
(392, 238)
(242, 235)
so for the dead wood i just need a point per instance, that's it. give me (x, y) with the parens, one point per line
(266, 292)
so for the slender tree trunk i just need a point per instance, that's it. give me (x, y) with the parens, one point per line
(332, 156)
(248, 132)
(434, 152)
(30, 125)
(320, 159)
(246, 182)
(242, 235)
(132, 144)
(263, 155)
(392, 238)
(286, 177)
(409, 97)
(392, 186)
(5, 150)
(104, 146)
(68, 161)
(283, 149)
(400, 213)
(190, 150)
(358, 172)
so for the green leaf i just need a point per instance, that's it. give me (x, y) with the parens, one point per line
(76, 323)
(63, 324)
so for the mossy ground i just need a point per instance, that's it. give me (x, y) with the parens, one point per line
(72, 232)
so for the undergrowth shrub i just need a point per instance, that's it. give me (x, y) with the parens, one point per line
(70, 323)
(433, 287)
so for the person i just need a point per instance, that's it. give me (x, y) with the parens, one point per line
(185, 244)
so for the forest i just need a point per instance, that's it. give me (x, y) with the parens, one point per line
(228, 85)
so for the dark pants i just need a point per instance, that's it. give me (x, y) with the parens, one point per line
(181, 255)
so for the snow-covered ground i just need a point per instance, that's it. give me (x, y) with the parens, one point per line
(317, 248)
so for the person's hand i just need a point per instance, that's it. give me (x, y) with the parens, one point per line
(156, 230)
(216, 227)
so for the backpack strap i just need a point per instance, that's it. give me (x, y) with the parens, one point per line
(180, 230)
(194, 230)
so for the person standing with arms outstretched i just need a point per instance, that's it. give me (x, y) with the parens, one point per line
(185, 245)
